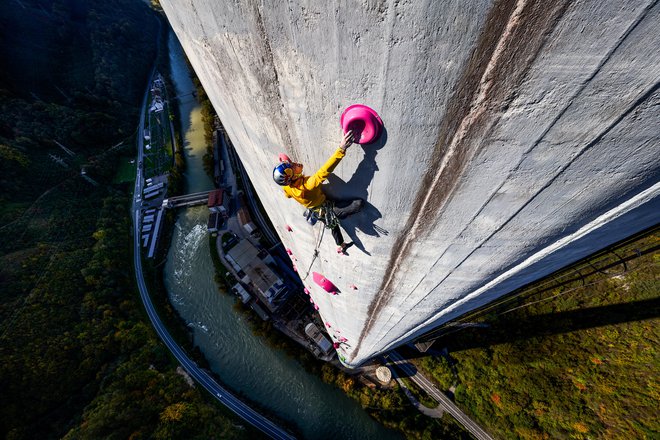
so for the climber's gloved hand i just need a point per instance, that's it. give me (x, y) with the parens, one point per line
(347, 141)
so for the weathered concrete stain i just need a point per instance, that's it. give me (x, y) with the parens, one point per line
(485, 103)
(512, 38)
(270, 80)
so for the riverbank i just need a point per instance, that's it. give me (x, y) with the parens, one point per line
(288, 390)
(387, 404)
(155, 269)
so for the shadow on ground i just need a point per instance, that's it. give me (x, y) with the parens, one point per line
(510, 328)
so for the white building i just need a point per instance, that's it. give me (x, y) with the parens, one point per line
(251, 265)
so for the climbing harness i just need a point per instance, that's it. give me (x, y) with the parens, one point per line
(324, 212)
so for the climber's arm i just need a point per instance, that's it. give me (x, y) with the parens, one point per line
(318, 177)
(330, 165)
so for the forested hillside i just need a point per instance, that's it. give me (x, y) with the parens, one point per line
(79, 357)
(578, 359)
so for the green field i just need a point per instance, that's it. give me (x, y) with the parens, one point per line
(126, 170)
(158, 159)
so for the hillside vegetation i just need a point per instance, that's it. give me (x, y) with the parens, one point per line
(79, 357)
(579, 360)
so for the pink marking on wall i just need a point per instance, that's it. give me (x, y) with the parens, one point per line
(326, 284)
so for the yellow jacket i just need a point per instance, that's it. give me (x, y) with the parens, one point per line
(307, 190)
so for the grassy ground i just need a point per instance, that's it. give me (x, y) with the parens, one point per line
(158, 159)
(126, 171)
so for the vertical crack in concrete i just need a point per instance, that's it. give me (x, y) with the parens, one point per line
(272, 83)
(553, 123)
(646, 96)
(390, 20)
(192, 6)
(337, 47)
(513, 34)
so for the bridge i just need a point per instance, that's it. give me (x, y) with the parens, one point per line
(200, 198)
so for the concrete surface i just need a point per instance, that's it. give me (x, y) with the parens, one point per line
(519, 136)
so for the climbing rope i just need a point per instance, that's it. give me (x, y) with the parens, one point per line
(326, 214)
(316, 254)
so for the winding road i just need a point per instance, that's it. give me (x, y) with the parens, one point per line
(201, 376)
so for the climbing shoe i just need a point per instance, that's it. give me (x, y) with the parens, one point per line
(342, 249)
(344, 208)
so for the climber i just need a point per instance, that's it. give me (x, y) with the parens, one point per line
(307, 191)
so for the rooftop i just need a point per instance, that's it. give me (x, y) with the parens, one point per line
(215, 198)
(251, 261)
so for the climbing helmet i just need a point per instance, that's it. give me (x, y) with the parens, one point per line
(283, 173)
(287, 172)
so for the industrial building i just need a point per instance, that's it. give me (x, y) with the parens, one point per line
(255, 268)
(218, 202)
(215, 222)
(321, 341)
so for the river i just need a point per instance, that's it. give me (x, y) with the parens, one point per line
(243, 362)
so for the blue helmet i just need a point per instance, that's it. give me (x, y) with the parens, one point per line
(283, 173)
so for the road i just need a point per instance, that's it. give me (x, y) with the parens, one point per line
(202, 377)
(449, 406)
